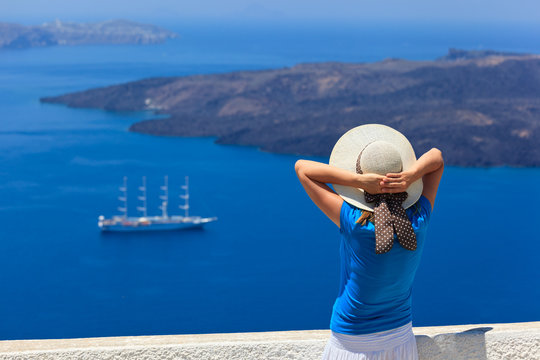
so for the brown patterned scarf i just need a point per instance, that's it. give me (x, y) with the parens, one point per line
(390, 218)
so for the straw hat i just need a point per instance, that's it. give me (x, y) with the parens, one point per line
(378, 149)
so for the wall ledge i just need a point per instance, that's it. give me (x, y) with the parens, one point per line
(477, 341)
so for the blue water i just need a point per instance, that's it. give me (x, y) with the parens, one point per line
(271, 260)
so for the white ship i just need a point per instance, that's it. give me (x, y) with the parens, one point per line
(164, 222)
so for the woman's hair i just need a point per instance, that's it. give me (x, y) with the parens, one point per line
(365, 217)
(369, 216)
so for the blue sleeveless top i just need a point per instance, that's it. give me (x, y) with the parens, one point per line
(375, 289)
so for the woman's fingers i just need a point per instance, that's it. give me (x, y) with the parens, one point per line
(393, 178)
(398, 184)
(394, 187)
(393, 183)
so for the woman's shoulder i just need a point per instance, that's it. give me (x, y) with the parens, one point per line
(420, 210)
(348, 216)
(424, 204)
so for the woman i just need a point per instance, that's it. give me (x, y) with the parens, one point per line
(389, 196)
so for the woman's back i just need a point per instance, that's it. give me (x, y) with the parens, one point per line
(375, 289)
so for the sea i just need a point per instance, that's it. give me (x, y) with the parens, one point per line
(271, 261)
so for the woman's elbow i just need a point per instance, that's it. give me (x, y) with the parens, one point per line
(439, 155)
(298, 166)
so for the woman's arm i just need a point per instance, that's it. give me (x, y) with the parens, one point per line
(314, 176)
(429, 167)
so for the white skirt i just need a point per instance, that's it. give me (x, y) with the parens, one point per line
(395, 344)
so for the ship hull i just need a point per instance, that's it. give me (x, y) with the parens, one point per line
(159, 225)
(153, 227)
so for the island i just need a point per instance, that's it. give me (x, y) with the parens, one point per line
(481, 108)
(15, 36)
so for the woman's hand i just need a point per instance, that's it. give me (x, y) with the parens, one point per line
(314, 177)
(397, 182)
(429, 167)
(372, 183)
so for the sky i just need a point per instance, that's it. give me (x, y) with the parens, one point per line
(485, 11)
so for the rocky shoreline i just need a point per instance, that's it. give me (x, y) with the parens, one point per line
(481, 108)
(15, 36)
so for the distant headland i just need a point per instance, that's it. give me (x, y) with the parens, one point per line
(481, 108)
(15, 36)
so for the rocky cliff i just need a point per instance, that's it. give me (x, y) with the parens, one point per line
(480, 109)
(14, 36)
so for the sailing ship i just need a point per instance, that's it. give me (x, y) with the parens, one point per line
(164, 221)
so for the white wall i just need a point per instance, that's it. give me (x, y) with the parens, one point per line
(486, 341)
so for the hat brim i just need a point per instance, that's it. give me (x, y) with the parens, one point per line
(348, 147)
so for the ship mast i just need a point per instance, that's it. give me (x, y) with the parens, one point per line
(165, 197)
(143, 197)
(123, 198)
(185, 207)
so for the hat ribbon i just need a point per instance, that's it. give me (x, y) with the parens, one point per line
(390, 218)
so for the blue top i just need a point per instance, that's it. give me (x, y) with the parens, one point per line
(375, 289)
